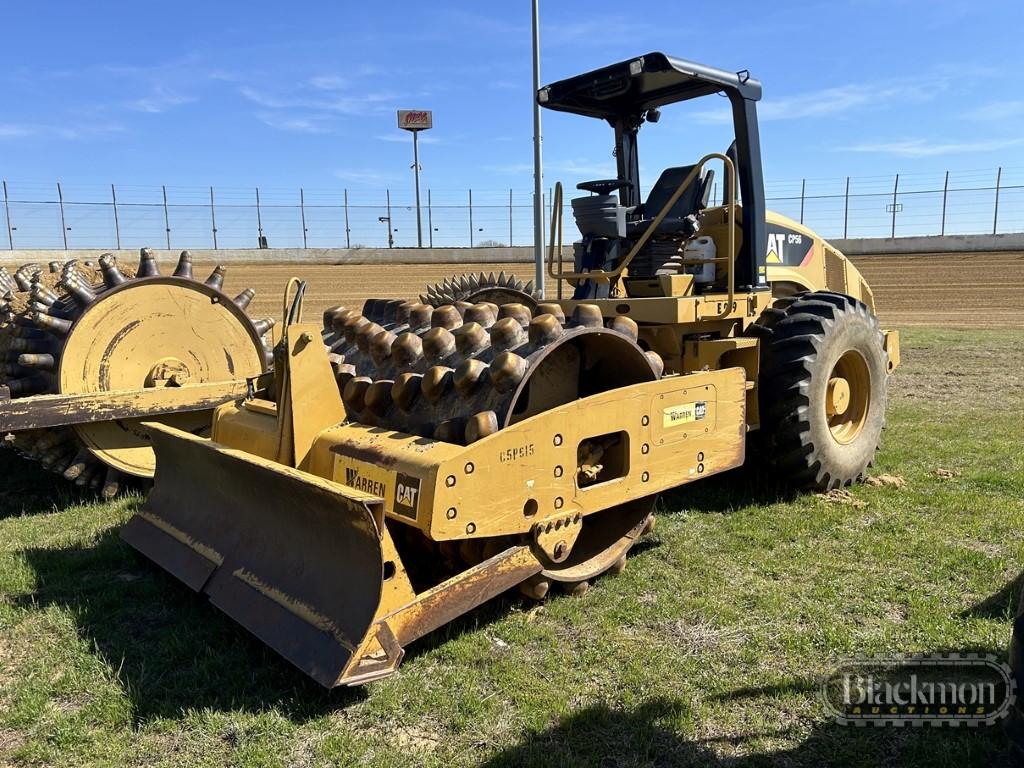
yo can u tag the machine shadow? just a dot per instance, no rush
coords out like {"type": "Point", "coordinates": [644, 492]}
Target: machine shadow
{"type": "Point", "coordinates": [650, 735]}
{"type": "Point", "coordinates": [28, 489]}
{"type": "Point", "coordinates": [174, 651]}
{"type": "Point", "coordinates": [1000, 605]}
{"type": "Point", "coordinates": [171, 649]}
{"type": "Point", "coordinates": [511, 600]}
{"type": "Point", "coordinates": [747, 485]}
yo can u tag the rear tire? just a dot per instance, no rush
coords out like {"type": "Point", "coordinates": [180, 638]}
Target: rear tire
{"type": "Point", "coordinates": [824, 375]}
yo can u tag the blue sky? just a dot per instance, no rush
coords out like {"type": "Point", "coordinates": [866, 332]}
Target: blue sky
{"type": "Point", "coordinates": [282, 95]}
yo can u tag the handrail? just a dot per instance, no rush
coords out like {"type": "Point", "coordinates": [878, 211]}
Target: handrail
{"type": "Point", "coordinates": [556, 220]}
{"type": "Point", "coordinates": [599, 274]}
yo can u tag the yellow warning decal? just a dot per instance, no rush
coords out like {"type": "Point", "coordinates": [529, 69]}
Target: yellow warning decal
{"type": "Point", "coordinates": [686, 413]}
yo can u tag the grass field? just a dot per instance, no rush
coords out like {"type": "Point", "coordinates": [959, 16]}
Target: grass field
{"type": "Point", "coordinates": [704, 651]}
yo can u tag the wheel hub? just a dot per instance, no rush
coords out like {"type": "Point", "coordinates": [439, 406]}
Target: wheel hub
{"type": "Point", "coordinates": [848, 397]}
{"type": "Point", "coordinates": [837, 399]}
{"type": "Point", "coordinates": [168, 372]}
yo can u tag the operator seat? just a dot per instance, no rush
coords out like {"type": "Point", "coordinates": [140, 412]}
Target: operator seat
{"type": "Point", "coordinates": [693, 200]}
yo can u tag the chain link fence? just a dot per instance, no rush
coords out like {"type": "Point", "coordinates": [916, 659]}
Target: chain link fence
{"type": "Point", "coordinates": [55, 216]}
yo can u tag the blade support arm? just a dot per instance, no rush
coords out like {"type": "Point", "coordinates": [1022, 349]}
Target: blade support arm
{"type": "Point", "coordinates": [45, 411]}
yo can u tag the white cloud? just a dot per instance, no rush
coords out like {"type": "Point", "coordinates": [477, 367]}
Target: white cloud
{"type": "Point", "coordinates": [931, 148]}
{"type": "Point", "coordinates": [223, 75]}
{"type": "Point", "coordinates": [834, 100]}
{"type": "Point", "coordinates": [366, 176]}
{"type": "Point", "coordinates": [159, 100]}
{"type": "Point", "coordinates": [343, 105]}
{"type": "Point", "coordinates": [482, 23]}
{"type": "Point", "coordinates": [328, 82]}
{"type": "Point", "coordinates": [67, 133]}
{"type": "Point", "coordinates": [997, 111]}
{"type": "Point", "coordinates": [11, 131]}
{"type": "Point", "coordinates": [297, 124]}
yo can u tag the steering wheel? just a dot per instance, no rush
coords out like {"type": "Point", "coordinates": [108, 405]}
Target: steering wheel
{"type": "Point", "coordinates": [603, 186]}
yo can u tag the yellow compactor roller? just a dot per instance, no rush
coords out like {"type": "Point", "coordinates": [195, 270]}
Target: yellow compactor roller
{"type": "Point", "coordinates": [91, 349]}
{"type": "Point", "coordinates": [407, 462]}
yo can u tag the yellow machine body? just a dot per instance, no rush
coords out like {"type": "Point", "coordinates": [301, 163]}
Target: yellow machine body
{"type": "Point", "coordinates": [801, 260]}
{"type": "Point", "coordinates": [306, 557]}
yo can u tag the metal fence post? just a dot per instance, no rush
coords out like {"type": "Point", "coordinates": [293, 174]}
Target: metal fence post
{"type": "Point", "coordinates": [117, 223]}
{"type": "Point", "coordinates": [63, 224]}
{"type": "Point", "coordinates": [547, 202]}
{"type": "Point", "coordinates": [895, 191]}
{"type": "Point", "coordinates": [391, 237]}
{"type": "Point", "coordinates": [302, 213]}
{"type": "Point", "coordinates": [945, 196]}
{"type": "Point", "coordinates": [213, 220]}
{"type": "Point", "coordinates": [544, 206]}
{"type": "Point", "coordinates": [167, 220]}
{"type": "Point", "coordinates": [846, 210]}
{"type": "Point", "coordinates": [348, 232]}
{"type": "Point", "coordinates": [259, 221]}
{"type": "Point", "coordinates": [995, 215]}
{"type": "Point", "coordinates": [7, 215]}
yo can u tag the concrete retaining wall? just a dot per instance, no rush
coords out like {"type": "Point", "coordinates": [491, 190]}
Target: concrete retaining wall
{"type": "Point", "coordinates": [520, 254]}
{"type": "Point", "coordinates": [875, 246]}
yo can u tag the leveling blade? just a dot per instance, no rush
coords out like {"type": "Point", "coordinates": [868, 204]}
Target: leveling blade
{"type": "Point", "coordinates": [293, 558]}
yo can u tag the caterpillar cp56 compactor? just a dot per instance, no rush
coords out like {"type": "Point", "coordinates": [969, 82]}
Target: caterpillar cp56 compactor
{"type": "Point", "coordinates": [406, 463]}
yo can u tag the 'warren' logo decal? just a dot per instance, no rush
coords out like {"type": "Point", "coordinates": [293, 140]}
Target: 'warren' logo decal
{"type": "Point", "coordinates": [365, 484]}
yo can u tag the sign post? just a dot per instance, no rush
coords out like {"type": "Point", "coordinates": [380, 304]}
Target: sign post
{"type": "Point", "coordinates": [414, 121]}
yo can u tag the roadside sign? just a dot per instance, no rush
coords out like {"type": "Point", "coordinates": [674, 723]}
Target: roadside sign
{"type": "Point", "coordinates": [415, 119]}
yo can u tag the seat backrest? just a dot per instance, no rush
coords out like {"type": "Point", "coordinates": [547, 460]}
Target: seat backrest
{"type": "Point", "coordinates": [705, 188]}
{"type": "Point", "coordinates": [665, 187]}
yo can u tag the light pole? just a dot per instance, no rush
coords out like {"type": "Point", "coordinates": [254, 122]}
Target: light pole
{"type": "Point", "coordinates": [538, 175]}
{"type": "Point", "coordinates": [416, 120]}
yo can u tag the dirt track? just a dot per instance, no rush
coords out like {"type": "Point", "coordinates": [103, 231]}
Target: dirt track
{"type": "Point", "coordinates": [971, 290]}
{"type": "Point", "coordinates": [977, 290]}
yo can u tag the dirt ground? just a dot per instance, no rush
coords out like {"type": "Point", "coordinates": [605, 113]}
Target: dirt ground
{"type": "Point", "coordinates": [962, 290]}
{"type": "Point", "coordinates": [976, 290]}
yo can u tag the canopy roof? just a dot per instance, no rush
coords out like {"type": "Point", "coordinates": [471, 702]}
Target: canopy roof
{"type": "Point", "coordinates": [634, 86]}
